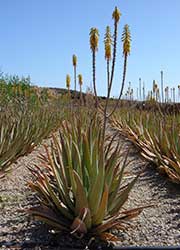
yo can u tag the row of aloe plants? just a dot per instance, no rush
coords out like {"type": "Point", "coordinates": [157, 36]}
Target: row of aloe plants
{"type": "Point", "coordinates": [24, 120]}
{"type": "Point", "coordinates": [156, 135]}
{"type": "Point", "coordinates": [22, 132]}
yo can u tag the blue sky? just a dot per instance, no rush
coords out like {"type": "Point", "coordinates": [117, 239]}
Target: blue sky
{"type": "Point", "coordinates": [39, 37]}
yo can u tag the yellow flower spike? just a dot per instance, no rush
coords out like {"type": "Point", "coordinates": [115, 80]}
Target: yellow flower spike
{"type": "Point", "coordinates": [116, 15]}
{"type": "Point", "coordinates": [108, 43]}
{"type": "Point", "coordinates": [126, 39]}
{"type": "Point", "coordinates": [80, 79]}
{"type": "Point", "coordinates": [74, 60]}
{"type": "Point", "coordinates": [94, 39]}
{"type": "Point", "coordinates": [68, 81]}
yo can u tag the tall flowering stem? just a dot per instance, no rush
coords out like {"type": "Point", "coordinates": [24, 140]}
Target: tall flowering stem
{"type": "Point", "coordinates": [94, 39]}
{"type": "Point", "coordinates": [74, 61]}
{"type": "Point", "coordinates": [80, 80]}
{"type": "Point", "coordinates": [126, 39]}
{"type": "Point", "coordinates": [68, 82]}
{"type": "Point", "coordinates": [116, 16]}
{"type": "Point", "coordinates": [107, 47]}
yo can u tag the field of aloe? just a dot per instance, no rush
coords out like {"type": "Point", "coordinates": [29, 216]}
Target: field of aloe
{"type": "Point", "coordinates": [83, 179]}
{"type": "Point", "coordinates": [27, 117]}
{"type": "Point", "coordinates": [156, 134]}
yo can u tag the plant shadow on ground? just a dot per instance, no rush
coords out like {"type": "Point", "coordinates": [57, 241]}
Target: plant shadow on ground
{"type": "Point", "coordinates": [35, 235]}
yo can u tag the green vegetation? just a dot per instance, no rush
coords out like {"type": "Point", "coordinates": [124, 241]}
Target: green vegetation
{"type": "Point", "coordinates": [27, 116]}
{"type": "Point", "coordinates": [157, 136]}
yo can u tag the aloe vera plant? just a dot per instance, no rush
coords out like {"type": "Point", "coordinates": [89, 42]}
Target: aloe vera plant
{"type": "Point", "coordinates": [80, 182]}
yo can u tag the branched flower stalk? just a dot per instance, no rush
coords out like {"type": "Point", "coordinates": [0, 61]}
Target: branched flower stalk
{"type": "Point", "coordinates": [116, 16]}
{"type": "Point", "coordinates": [126, 39]}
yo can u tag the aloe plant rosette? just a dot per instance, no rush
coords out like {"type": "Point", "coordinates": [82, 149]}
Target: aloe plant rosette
{"type": "Point", "coordinates": [79, 182]}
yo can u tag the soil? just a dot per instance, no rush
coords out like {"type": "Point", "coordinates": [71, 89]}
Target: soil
{"type": "Point", "coordinates": [158, 225]}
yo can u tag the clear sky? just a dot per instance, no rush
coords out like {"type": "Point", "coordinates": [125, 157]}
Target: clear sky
{"type": "Point", "coordinates": [39, 37]}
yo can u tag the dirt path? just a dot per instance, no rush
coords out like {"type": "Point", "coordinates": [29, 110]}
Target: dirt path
{"type": "Point", "coordinates": [156, 226]}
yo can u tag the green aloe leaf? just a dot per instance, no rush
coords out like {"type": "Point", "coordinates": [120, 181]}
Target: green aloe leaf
{"type": "Point", "coordinates": [96, 190]}
{"type": "Point", "coordinates": [80, 195]}
{"type": "Point", "coordinates": [121, 198]}
{"type": "Point", "coordinates": [102, 210]}
{"type": "Point", "coordinates": [81, 200]}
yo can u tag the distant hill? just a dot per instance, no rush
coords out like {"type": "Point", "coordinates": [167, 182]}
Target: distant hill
{"type": "Point", "coordinates": [73, 92]}
{"type": "Point", "coordinates": [64, 91]}
{"type": "Point", "coordinates": [142, 105]}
